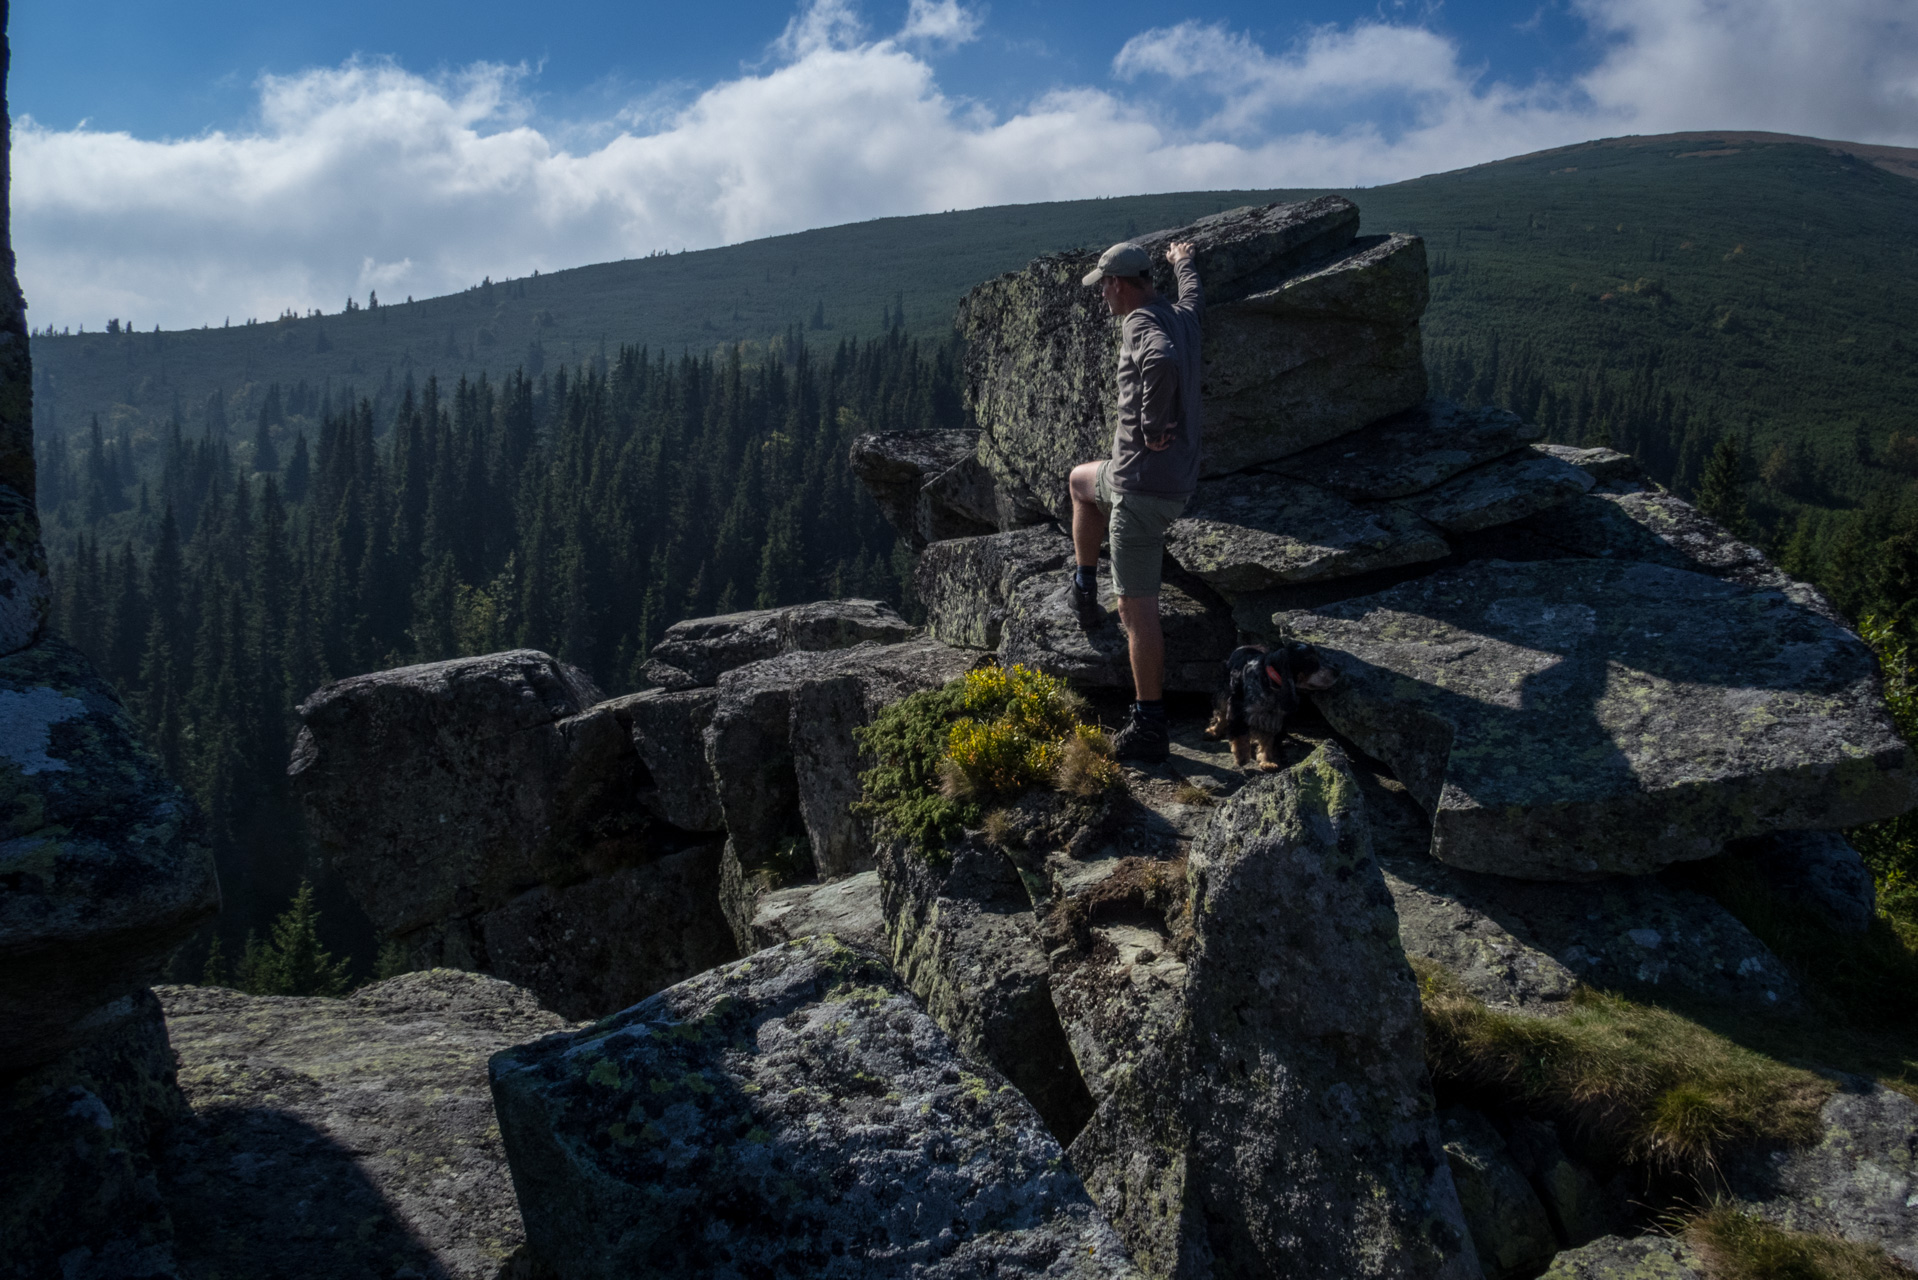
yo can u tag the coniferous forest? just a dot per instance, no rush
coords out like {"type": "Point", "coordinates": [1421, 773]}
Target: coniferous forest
{"type": "Point", "coordinates": [581, 512]}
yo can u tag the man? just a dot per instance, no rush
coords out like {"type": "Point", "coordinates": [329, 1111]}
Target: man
{"type": "Point", "coordinates": [1154, 468]}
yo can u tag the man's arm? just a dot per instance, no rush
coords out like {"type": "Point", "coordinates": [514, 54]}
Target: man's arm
{"type": "Point", "coordinates": [1186, 272]}
{"type": "Point", "coordinates": [1158, 384]}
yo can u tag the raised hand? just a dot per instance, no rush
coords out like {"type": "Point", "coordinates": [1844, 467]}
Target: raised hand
{"type": "Point", "coordinates": [1178, 251]}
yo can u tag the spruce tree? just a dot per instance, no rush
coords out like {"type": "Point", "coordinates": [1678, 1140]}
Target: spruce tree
{"type": "Point", "coordinates": [1721, 492]}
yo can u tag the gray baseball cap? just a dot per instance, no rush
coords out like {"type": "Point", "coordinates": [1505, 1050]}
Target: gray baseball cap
{"type": "Point", "coordinates": [1120, 260]}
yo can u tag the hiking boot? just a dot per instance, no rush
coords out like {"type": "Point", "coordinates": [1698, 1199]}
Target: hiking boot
{"type": "Point", "coordinates": [1147, 739]}
{"type": "Point", "coordinates": [1083, 605]}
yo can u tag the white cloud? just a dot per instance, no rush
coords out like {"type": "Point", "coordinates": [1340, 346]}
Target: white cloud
{"type": "Point", "coordinates": [944, 22]}
{"type": "Point", "coordinates": [368, 176]}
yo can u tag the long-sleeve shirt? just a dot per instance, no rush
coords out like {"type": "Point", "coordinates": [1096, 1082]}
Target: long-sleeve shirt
{"type": "Point", "coordinates": [1159, 393]}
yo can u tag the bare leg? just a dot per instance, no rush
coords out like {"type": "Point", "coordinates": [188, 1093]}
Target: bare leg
{"type": "Point", "coordinates": [1088, 521]}
{"type": "Point", "coordinates": [1140, 617]}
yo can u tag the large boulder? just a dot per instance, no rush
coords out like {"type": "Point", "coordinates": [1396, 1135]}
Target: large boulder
{"type": "Point", "coordinates": [1043, 633]}
{"type": "Point", "coordinates": [676, 786]}
{"type": "Point", "coordinates": [435, 790]}
{"type": "Point", "coordinates": [1525, 946]}
{"type": "Point", "coordinates": [785, 766]}
{"type": "Point", "coordinates": [345, 1137]}
{"type": "Point", "coordinates": [1285, 1127]}
{"type": "Point", "coordinates": [489, 813]}
{"type": "Point", "coordinates": [1856, 1182]}
{"type": "Point", "coordinates": [106, 870]}
{"type": "Point", "coordinates": [964, 940]}
{"type": "Point", "coordinates": [1818, 872]}
{"type": "Point", "coordinates": [849, 910]}
{"type": "Point", "coordinates": [696, 652]}
{"type": "Point", "coordinates": [929, 485]}
{"type": "Point", "coordinates": [1249, 532]}
{"type": "Point", "coordinates": [1309, 333]}
{"type": "Point", "coordinates": [1569, 719]}
{"type": "Point", "coordinates": [966, 584]}
{"type": "Point", "coordinates": [793, 1113]}
{"type": "Point", "coordinates": [1633, 1258]}
{"type": "Point", "coordinates": [1409, 452]}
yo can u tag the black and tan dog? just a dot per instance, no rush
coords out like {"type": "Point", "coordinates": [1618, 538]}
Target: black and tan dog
{"type": "Point", "coordinates": [1261, 689]}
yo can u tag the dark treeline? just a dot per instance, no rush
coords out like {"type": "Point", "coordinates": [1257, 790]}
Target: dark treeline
{"type": "Point", "coordinates": [580, 513]}
{"type": "Point", "coordinates": [1837, 508]}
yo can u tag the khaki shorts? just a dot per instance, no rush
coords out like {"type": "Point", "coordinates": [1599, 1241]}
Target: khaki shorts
{"type": "Point", "coordinates": [1137, 523]}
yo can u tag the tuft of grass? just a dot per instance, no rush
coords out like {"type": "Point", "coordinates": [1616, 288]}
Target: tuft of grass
{"type": "Point", "coordinates": [1193, 793]}
{"type": "Point", "coordinates": [1646, 1085]}
{"type": "Point", "coordinates": [1086, 767]}
{"type": "Point", "coordinates": [1737, 1245]}
{"type": "Point", "coordinates": [942, 755]}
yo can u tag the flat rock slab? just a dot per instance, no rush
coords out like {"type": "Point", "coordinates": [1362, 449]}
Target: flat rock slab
{"type": "Point", "coordinates": [1622, 1258]}
{"type": "Point", "coordinates": [1251, 532]}
{"type": "Point", "coordinates": [1308, 335]}
{"type": "Point", "coordinates": [1409, 452]}
{"type": "Point", "coordinates": [1044, 634]}
{"type": "Point", "coordinates": [695, 652]}
{"type": "Point", "coordinates": [1285, 1127]}
{"type": "Point", "coordinates": [1515, 486]}
{"type": "Point", "coordinates": [849, 910]}
{"type": "Point", "coordinates": [1607, 466]}
{"type": "Point", "coordinates": [966, 584]}
{"type": "Point", "coordinates": [929, 484]}
{"type": "Point", "coordinates": [351, 1137]}
{"type": "Point", "coordinates": [1569, 719]}
{"type": "Point", "coordinates": [1857, 1182]}
{"type": "Point", "coordinates": [103, 861]}
{"type": "Point", "coordinates": [792, 1113]}
{"type": "Point", "coordinates": [1525, 945]}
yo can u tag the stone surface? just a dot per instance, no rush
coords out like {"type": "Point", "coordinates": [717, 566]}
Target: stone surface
{"type": "Point", "coordinates": [1511, 488]}
{"type": "Point", "coordinates": [1308, 335]}
{"type": "Point", "coordinates": [792, 1113]}
{"type": "Point", "coordinates": [1508, 1224]}
{"type": "Point", "coordinates": [1524, 946]}
{"type": "Point", "coordinates": [442, 789]}
{"type": "Point", "coordinates": [849, 910]}
{"type": "Point", "coordinates": [345, 1138]}
{"type": "Point", "coordinates": [1249, 532]}
{"type": "Point", "coordinates": [1858, 1182]}
{"type": "Point", "coordinates": [966, 584]}
{"type": "Point", "coordinates": [79, 1197]}
{"type": "Point", "coordinates": [1606, 466]}
{"type": "Point", "coordinates": [103, 869]}
{"type": "Point", "coordinates": [929, 485]}
{"type": "Point", "coordinates": [677, 786]}
{"type": "Point", "coordinates": [1567, 719]}
{"type": "Point", "coordinates": [1044, 634]}
{"type": "Point", "coordinates": [694, 653]}
{"type": "Point", "coordinates": [785, 767]}
{"type": "Point", "coordinates": [1820, 872]}
{"type": "Point", "coordinates": [964, 940]}
{"type": "Point", "coordinates": [1580, 1210]}
{"type": "Point", "coordinates": [1636, 1258]}
{"type": "Point", "coordinates": [1286, 1127]}
{"type": "Point", "coordinates": [26, 590]}
{"type": "Point", "coordinates": [595, 946]}
{"type": "Point", "coordinates": [1409, 452]}
{"type": "Point", "coordinates": [1653, 526]}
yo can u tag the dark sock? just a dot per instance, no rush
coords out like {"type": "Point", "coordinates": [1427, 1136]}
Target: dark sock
{"type": "Point", "coordinates": [1085, 577]}
{"type": "Point", "coordinates": [1154, 710]}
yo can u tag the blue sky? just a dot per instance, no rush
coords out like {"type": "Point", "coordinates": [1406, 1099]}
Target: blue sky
{"type": "Point", "coordinates": [181, 164]}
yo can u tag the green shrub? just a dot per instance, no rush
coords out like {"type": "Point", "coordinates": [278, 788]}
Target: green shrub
{"type": "Point", "coordinates": [1890, 848]}
{"type": "Point", "coordinates": [942, 755]}
{"type": "Point", "coordinates": [1646, 1085]}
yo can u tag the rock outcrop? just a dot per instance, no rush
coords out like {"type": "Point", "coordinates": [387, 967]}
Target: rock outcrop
{"type": "Point", "coordinates": [966, 584]}
{"type": "Point", "coordinates": [345, 1137]}
{"type": "Point", "coordinates": [1510, 1230]}
{"type": "Point", "coordinates": [1286, 1126]}
{"type": "Point", "coordinates": [695, 653]}
{"type": "Point", "coordinates": [1569, 719]}
{"type": "Point", "coordinates": [103, 873]}
{"type": "Point", "coordinates": [1819, 872]}
{"type": "Point", "coordinates": [1636, 1258]}
{"type": "Point", "coordinates": [1310, 333]}
{"type": "Point", "coordinates": [485, 813]}
{"type": "Point", "coordinates": [930, 484]}
{"type": "Point", "coordinates": [1044, 634]}
{"type": "Point", "coordinates": [791, 1112]}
